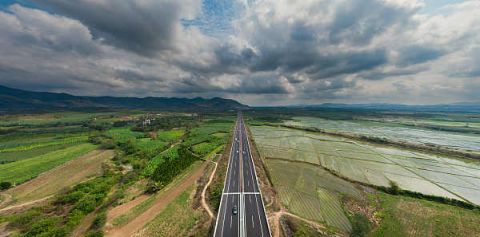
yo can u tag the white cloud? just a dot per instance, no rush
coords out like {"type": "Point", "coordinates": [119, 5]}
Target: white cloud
{"type": "Point", "coordinates": [279, 50]}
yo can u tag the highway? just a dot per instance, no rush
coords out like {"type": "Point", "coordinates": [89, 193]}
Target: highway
{"type": "Point", "coordinates": [241, 190]}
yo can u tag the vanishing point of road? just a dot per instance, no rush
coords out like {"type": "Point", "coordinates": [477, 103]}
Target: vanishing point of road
{"type": "Point", "coordinates": [241, 192]}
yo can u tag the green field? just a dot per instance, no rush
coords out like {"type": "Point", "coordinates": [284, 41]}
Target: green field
{"type": "Point", "coordinates": [123, 134]}
{"type": "Point", "coordinates": [23, 170]}
{"type": "Point", "coordinates": [7, 157]}
{"type": "Point", "coordinates": [405, 216]}
{"type": "Point", "coordinates": [170, 135]}
{"type": "Point", "coordinates": [372, 164]}
{"type": "Point", "coordinates": [171, 153]}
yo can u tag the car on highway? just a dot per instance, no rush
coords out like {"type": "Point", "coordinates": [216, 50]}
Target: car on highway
{"type": "Point", "coordinates": [235, 210]}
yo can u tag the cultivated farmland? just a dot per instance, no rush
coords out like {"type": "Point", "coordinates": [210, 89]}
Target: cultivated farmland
{"type": "Point", "coordinates": [23, 170]}
{"type": "Point", "coordinates": [468, 142]}
{"type": "Point", "coordinates": [64, 176]}
{"type": "Point", "coordinates": [372, 164]}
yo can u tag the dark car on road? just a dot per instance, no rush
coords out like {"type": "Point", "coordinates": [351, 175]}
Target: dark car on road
{"type": "Point", "coordinates": [235, 210]}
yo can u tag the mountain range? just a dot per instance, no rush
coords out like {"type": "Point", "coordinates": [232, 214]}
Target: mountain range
{"type": "Point", "coordinates": [21, 100]}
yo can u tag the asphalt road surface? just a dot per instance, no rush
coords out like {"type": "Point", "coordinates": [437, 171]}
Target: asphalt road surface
{"type": "Point", "coordinates": [241, 191]}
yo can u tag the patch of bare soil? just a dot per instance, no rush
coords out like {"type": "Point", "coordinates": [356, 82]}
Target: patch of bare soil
{"type": "Point", "coordinates": [22, 207]}
{"type": "Point", "coordinates": [362, 207]}
{"type": "Point", "coordinates": [3, 230]}
{"type": "Point", "coordinates": [124, 208]}
{"type": "Point", "coordinates": [5, 199]}
{"type": "Point", "coordinates": [276, 225]}
{"type": "Point", "coordinates": [161, 203]}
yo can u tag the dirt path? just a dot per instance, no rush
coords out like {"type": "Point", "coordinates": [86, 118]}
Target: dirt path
{"type": "Point", "coordinates": [124, 208]}
{"type": "Point", "coordinates": [3, 230]}
{"type": "Point", "coordinates": [204, 202]}
{"type": "Point", "coordinates": [161, 203]}
{"type": "Point", "coordinates": [84, 225]}
{"type": "Point", "coordinates": [275, 217]}
{"type": "Point", "coordinates": [15, 208]}
{"type": "Point", "coordinates": [6, 199]}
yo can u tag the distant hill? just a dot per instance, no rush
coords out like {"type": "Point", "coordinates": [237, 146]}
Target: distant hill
{"type": "Point", "coordinates": [456, 107]}
{"type": "Point", "coordinates": [20, 100]}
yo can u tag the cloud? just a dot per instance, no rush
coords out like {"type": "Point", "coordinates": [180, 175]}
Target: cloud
{"type": "Point", "coordinates": [145, 27]}
{"type": "Point", "coordinates": [279, 51]}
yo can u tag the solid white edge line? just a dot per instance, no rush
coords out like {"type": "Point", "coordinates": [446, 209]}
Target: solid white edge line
{"type": "Point", "coordinates": [256, 177]}
{"type": "Point", "coordinates": [258, 213]}
{"type": "Point", "coordinates": [225, 182]}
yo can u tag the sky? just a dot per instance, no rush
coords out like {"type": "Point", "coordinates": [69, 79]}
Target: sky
{"type": "Point", "coordinates": [259, 52]}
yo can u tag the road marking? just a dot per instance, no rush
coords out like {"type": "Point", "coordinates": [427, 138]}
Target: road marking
{"type": "Point", "coordinates": [258, 212]}
{"type": "Point", "coordinates": [226, 184]}
{"type": "Point", "coordinates": [237, 193]}
{"type": "Point", "coordinates": [253, 222]}
{"type": "Point", "coordinates": [241, 136]}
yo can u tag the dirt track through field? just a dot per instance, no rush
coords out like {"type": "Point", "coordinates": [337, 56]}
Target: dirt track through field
{"type": "Point", "coordinates": [204, 202]}
{"type": "Point", "coordinates": [161, 203]}
{"type": "Point", "coordinates": [20, 207]}
{"type": "Point", "coordinates": [63, 176]}
{"type": "Point", "coordinates": [275, 217]}
{"type": "Point", "coordinates": [124, 208]}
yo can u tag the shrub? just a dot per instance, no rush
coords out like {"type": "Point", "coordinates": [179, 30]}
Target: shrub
{"type": "Point", "coordinates": [360, 225]}
{"type": "Point", "coordinates": [394, 188]}
{"type": "Point", "coordinates": [5, 185]}
{"type": "Point", "coordinates": [99, 221]}
{"type": "Point", "coordinates": [96, 233]}
{"type": "Point", "coordinates": [86, 204]}
{"type": "Point", "coordinates": [152, 187]}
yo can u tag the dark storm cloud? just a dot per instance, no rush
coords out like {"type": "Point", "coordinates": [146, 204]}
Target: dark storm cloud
{"type": "Point", "coordinates": [144, 27]}
{"type": "Point", "coordinates": [322, 49]}
{"type": "Point", "coordinates": [228, 59]}
{"type": "Point", "coordinates": [416, 54]}
{"type": "Point", "coordinates": [251, 84]}
{"type": "Point", "coordinates": [359, 21]}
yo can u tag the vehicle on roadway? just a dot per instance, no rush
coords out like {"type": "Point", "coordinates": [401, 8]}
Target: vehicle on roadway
{"type": "Point", "coordinates": [235, 210]}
